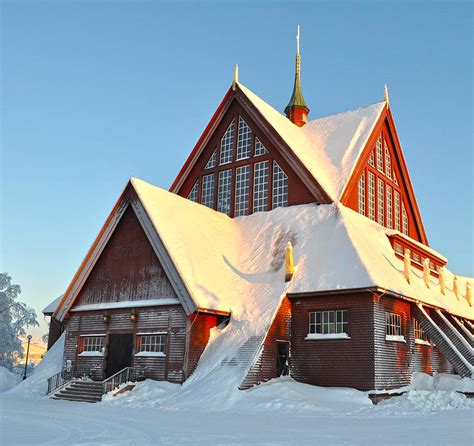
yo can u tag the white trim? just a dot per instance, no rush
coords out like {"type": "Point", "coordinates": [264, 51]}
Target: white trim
{"type": "Point", "coordinates": [87, 353]}
{"type": "Point", "coordinates": [156, 354]}
{"type": "Point", "coordinates": [128, 304]}
{"type": "Point", "coordinates": [322, 337]}
{"type": "Point", "coordinates": [396, 338]}
{"type": "Point", "coordinates": [422, 342]}
{"type": "Point", "coordinates": [92, 335]}
{"type": "Point", "coordinates": [152, 333]}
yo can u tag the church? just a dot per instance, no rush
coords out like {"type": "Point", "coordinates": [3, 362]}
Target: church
{"type": "Point", "coordinates": [285, 246]}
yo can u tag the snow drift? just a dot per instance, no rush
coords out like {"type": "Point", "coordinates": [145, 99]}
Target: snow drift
{"type": "Point", "coordinates": [52, 363]}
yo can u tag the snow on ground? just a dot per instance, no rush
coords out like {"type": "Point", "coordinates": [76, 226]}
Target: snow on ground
{"type": "Point", "coordinates": [203, 412]}
{"type": "Point", "coordinates": [280, 412]}
{"type": "Point", "coordinates": [7, 379]}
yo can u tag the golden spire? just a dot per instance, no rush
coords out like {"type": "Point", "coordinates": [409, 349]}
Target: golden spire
{"type": "Point", "coordinates": [236, 77]}
{"type": "Point", "coordinates": [297, 99]}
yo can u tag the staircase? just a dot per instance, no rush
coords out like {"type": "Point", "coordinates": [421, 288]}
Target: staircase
{"type": "Point", "coordinates": [447, 338]}
{"type": "Point", "coordinates": [63, 386]}
{"type": "Point", "coordinates": [80, 390]}
{"type": "Point", "coordinates": [245, 354]}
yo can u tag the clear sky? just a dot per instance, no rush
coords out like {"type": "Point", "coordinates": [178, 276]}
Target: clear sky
{"type": "Point", "coordinates": [95, 92]}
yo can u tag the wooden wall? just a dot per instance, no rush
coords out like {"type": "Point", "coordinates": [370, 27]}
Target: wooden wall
{"type": "Point", "coordinates": [396, 361]}
{"type": "Point", "coordinates": [351, 195]}
{"type": "Point", "coordinates": [200, 325]}
{"type": "Point", "coordinates": [127, 269]}
{"type": "Point", "coordinates": [171, 319]}
{"type": "Point", "coordinates": [334, 362]}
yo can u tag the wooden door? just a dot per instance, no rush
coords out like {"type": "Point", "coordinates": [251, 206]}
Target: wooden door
{"type": "Point", "coordinates": [119, 353]}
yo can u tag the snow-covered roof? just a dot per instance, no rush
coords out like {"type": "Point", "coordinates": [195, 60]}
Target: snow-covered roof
{"type": "Point", "coordinates": [236, 264]}
{"type": "Point", "coordinates": [328, 147]}
{"type": "Point", "coordinates": [51, 307]}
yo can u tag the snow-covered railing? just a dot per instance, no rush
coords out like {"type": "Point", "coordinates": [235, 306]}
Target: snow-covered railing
{"type": "Point", "coordinates": [125, 375]}
{"type": "Point", "coordinates": [59, 380]}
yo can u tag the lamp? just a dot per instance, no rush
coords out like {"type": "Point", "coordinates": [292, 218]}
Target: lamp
{"type": "Point", "coordinates": [27, 353]}
{"type": "Point", "coordinates": [133, 316]}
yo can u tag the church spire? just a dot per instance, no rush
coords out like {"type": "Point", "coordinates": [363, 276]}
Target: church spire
{"type": "Point", "coordinates": [297, 110]}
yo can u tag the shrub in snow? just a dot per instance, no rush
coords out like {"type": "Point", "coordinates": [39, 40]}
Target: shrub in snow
{"type": "Point", "coordinates": [14, 318]}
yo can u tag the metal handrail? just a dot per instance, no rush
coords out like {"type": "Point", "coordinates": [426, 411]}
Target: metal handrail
{"type": "Point", "coordinates": [60, 379]}
{"type": "Point", "coordinates": [121, 377]}
{"type": "Point", "coordinates": [109, 384]}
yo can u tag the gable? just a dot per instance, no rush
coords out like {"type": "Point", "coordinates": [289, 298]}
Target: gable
{"type": "Point", "coordinates": [380, 186]}
{"type": "Point", "coordinates": [249, 166]}
{"type": "Point", "coordinates": [127, 268]}
{"type": "Point", "coordinates": [145, 274]}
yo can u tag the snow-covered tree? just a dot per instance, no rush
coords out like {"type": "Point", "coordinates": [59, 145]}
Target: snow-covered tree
{"type": "Point", "coordinates": [14, 318]}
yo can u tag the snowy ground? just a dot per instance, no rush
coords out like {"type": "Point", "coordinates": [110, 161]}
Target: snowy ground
{"type": "Point", "coordinates": [281, 412]}
{"type": "Point", "coordinates": [208, 409]}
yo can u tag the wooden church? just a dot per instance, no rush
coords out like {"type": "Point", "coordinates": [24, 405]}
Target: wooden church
{"type": "Point", "coordinates": [285, 246]}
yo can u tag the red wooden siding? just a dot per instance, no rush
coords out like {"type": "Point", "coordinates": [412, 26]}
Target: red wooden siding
{"type": "Point", "coordinates": [298, 193]}
{"type": "Point", "coordinates": [265, 366]}
{"type": "Point", "coordinates": [395, 361]}
{"type": "Point", "coordinates": [200, 325]}
{"type": "Point", "coordinates": [334, 362]}
{"type": "Point", "coordinates": [167, 319]}
{"type": "Point", "coordinates": [350, 197]}
{"type": "Point", "coordinates": [127, 269]}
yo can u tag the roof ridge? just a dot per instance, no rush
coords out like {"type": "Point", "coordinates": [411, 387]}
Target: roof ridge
{"type": "Point", "coordinates": [347, 111]}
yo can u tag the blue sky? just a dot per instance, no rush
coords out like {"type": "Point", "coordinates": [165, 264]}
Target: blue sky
{"type": "Point", "coordinates": [96, 92]}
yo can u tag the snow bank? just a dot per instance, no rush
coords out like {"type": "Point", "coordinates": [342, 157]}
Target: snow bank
{"type": "Point", "coordinates": [283, 395]}
{"type": "Point", "coordinates": [425, 401]}
{"type": "Point", "coordinates": [7, 379]}
{"type": "Point", "coordinates": [441, 381]}
{"type": "Point", "coordinates": [52, 363]}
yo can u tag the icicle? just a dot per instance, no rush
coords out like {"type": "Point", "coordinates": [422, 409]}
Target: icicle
{"type": "Point", "coordinates": [407, 265]}
{"type": "Point", "coordinates": [468, 294]}
{"type": "Point", "coordinates": [289, 265]}
{"type": "Point", "coordinates": [455, 286]}
{"type": "Point", "coordinates": [442, 283]}
{"type": "Point", "coordinates": [426, 272]}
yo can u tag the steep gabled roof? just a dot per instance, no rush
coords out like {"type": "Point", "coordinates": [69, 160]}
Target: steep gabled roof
{"type": "Point", "coordinates": [328, 147]}
{"type": "Point", "coordinates": [236, 265]}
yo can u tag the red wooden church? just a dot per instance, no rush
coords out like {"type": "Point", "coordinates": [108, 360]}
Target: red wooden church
{"type": "Point", "coordinates": [284, 246]}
